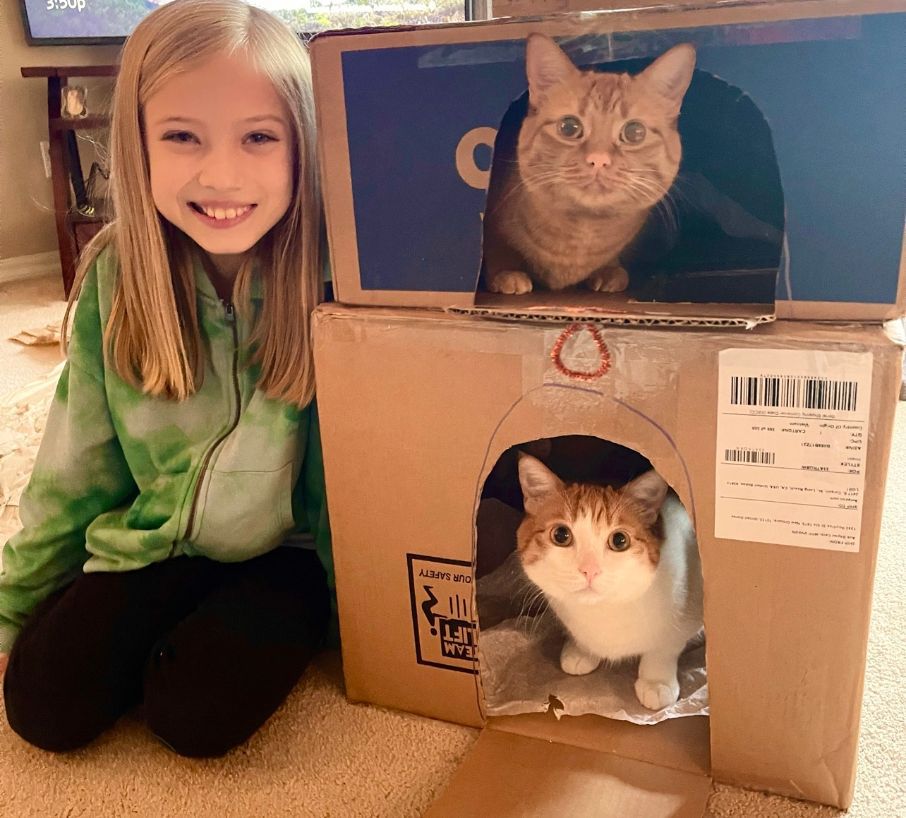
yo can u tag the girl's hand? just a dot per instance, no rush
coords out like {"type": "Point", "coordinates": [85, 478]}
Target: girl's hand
{"type": "Point", "coordinates": [4, 658]}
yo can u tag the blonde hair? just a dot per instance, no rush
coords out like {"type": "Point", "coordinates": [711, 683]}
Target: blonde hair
{"type": "Point", "coordinates": [152, 334]}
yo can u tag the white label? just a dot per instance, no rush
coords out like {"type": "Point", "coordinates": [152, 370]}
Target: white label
{"type": "Point", "coordinates": [792, 432]}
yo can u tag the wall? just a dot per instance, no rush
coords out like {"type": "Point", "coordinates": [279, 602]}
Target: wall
{"type": "Point", "coordinates": [26, 200]}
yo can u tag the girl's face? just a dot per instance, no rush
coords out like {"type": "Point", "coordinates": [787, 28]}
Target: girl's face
{"type": "Point", "coordinates": [220, 152]}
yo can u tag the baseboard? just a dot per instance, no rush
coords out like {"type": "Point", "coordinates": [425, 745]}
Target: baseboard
{"type": "Point", "coordinates": [34, 266]}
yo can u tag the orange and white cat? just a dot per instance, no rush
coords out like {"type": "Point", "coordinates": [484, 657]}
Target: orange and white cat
{"type": "Point", "coordinates": [596, 152]}
{"type": "Point", "coordinates": [621, 570]}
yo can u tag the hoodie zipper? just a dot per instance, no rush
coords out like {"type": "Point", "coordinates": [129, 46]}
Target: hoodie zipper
{"type": "Point", "coordinates": [230, 315]}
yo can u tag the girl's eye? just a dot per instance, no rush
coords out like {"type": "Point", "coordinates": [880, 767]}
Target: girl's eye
{"type": "Point", "coordinates": [618, 541]}
{"type": "Point", "coordinates": [633, 132]}
{"type": "Point", "coordinates": [570, 127]}
{"type": "Point", "coordinates": [180, 137]}
{"type": "Point", "coordinates": [260, 138]}
{"type": "Point", "coordinates": [561, 535]}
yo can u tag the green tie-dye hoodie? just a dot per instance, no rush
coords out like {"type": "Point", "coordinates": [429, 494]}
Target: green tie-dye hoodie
{"type": "Point", "coordinates": [123, 480]}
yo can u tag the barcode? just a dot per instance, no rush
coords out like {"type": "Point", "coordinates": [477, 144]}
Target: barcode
{"type": "Point", "coordinates": [758, 456]}
{"type": "Point", "coordinates": [793, 392]}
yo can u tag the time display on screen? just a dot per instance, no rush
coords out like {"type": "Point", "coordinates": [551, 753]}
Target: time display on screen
{"type": "Point", "coordinates": [66, 5]}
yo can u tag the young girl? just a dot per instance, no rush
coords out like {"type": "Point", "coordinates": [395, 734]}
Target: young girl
{"type": "Point", "coordinates": [175, 548]}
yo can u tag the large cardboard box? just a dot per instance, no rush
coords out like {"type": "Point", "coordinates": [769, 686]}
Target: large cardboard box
{"type": "Point", "coordinates": [419, 406]}
{"type": "Point", "coordinates": [791, 183]}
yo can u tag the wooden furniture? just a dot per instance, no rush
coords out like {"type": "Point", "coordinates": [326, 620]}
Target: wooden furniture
{"type": "Point", "coordinates": [74, 228]}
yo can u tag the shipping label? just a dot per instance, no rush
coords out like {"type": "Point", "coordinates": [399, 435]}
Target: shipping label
{"type": "Point", "coordinates": [792, 435]}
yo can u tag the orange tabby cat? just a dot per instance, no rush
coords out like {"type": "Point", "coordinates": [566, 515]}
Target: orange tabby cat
{"type": "Point", "coordinates": [620, 569]}
{"type": "Point", "coordinates": [596, 152]}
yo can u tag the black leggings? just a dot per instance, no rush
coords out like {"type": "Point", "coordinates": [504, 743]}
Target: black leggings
{"type": "Point", "coordinates": [212, 649]}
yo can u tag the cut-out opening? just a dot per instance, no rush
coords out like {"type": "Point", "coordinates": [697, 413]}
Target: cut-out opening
{"type": "Point", "coordinates": [715, 237]}
{"type": "Point", "coordinates": [521, 635]}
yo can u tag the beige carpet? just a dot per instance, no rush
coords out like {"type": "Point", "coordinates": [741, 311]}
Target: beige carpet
{"type": "Point", "coordinates": [322, 756]}
{"type": "Point", "coordinates": [27, 304]}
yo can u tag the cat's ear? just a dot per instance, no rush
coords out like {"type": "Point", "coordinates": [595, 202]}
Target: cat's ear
{"type": "Point", "coordinates": [537, 481]}
{"type": "Point", "coordinates": [648, 491]}
{"type": "Point", "coordinates": [670, 74]}
{"type": "Point", "coordinates": [546, 65]}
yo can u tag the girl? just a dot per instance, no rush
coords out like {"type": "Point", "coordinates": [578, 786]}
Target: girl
{"type": "Point", "coordinates": [182, 447]}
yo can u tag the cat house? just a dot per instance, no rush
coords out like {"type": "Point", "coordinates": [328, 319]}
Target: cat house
{"type": "Point", "coordinates": [787, 199]}
{"type": "Point", "coordinates": [524, 637]}
{"type": "Point", "coordinates": [775, 440]}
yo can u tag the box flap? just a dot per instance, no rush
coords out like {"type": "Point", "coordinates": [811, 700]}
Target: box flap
{"type": "Point", "coordinates": [615, 309]}
{"type": "Point", "coordinates": [508, 775]}
{"type": "Point", "coordinates": [682, 744]}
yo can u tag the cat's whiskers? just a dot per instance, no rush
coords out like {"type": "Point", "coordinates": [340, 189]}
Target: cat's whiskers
{"type": "Point", "coordinates": [549, 178]}
{"type": "Point", "coordinates": [533, 609]}
{"type": "Point", "coordinates": [557, 175]}
{"type": "Point", "coordinates": [646, 193]}
{"type": "Point", "coordinates": [641, 178]}
{"type": "Point", "coordinates": [677, 193]}
{"type": "Point", "coordinates": [666, 208]}
{"type": "Point", "coordinates": [533, 595]}
{"type": "Point", "coordinates": [539, 618]}
{"type": "Point", "coordinates": [642, 189]}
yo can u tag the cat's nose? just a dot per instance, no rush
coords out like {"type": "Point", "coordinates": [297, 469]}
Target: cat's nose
{"type": "Point", "coordinates": [590, 572]}
{"type": "Point", "coordinates": [599, 160]}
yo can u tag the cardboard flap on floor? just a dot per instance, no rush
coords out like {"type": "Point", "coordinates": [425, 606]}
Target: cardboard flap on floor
{"type": "Point", "coordinates": [507, 775]}
{"type": "Point", "coordinates": [680, 744]}
{"type": "Point", "coordinates": [771, 207]}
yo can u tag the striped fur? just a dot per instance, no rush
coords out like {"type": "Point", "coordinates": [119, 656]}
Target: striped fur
{"type": "Point", "coordinates": [565, 209]}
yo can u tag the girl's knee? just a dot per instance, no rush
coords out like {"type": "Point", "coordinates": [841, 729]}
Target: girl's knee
{"type": "Point", "coordinates": [198, 733]}
{"type": "Point", "coordinates": [181, 711]}
{"type": "Point", "coordinates": [191, 743]}
{"type": "Point", "coordinates": [203, 706]}
{"type": "Point", "coordinates": [58, 703]}
{"type": "Point", "coordinates": [47, 719]}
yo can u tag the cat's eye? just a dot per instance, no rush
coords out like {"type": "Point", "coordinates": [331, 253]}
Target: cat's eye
{"type": "Point", "coordinates": [570, 127]}
{"type": "Point", "coordinates": [633, 132]}
{"type": "Point", "coordinates": [618, 541]}
{"type": "Point", "coordinates": [561, 535]}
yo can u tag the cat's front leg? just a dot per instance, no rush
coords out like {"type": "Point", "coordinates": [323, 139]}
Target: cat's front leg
{"type": "Point", "coordinates": [608, 280]}
{"type": "Point", "coordinates": [504, 266]}
{"type": "Point", "coordinates": [657, 686]}
{"type": "Point", "coordinates": [511, 282]}
{"type": "Point", "coordinates": [576, 661]}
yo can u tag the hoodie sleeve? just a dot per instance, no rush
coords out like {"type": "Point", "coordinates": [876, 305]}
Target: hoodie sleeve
{"type": "Point", "coordinates": [79, 473]}
{"type": "Point", "coordinates": [314, 494]}
{"type": "Point", "coordinates": [310, 511]}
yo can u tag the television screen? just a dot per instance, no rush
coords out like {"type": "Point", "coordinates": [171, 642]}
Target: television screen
{"type": "Point", "coordinates": [61, 22]}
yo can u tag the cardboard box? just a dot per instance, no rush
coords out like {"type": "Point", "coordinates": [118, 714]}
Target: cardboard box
{"type": "Point", "coordinates": [791, 183]}
{"type": "Point", "coordinates": [419, 406]}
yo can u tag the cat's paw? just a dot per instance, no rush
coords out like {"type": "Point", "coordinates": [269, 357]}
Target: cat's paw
{"type": "Point", "coordinates": [510, 282]}
{"type": "Point", "coordinates": [609, 280]}
{"type": "Point", "coordinates": [656, 694]}
{"type": "Point", "coordinates": [575, 661]}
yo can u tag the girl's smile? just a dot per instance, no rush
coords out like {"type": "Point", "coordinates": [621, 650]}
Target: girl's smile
{"type": "Point", "coordinates": [223, 215]}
